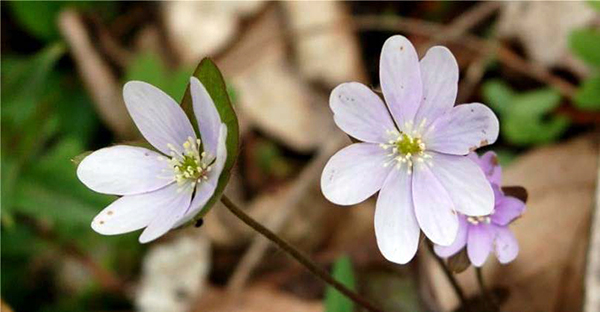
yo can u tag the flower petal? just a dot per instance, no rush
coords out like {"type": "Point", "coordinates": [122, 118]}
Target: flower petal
{"type": "Point", "coordinates": [466, 184]}
{"type": "Point", "coordinates": [439, 72]}
{"type": "Point", "coordinates": [459, 242]}
{"type": "Point", "coordinates": [506, 245]}
{"type": "Point", "coordinates": [400, 78]}
{"type": "Point", "coordinates": [479, 243]}
{"type": "Point", "coordinates": [433, 207]}
{"type": "Point", "coordinates": [464, 128]}
{"type": "Point", "coordinates": [174, 201]}
{"type": "Point", "coordinates": [490, 166]}
{"type": "Point", "coordinates": [209, 120]}
{"type": "Point", "coordinates": [158, 117]}
{"type": "Point", "coordinates": [396, 226]}
{"type": "Point", "coordinates": [124, 170]}
{"type": "Point", "coordinates": [205, 189]}
{"type": "Point", "coordinates": [355, 173]}
{"type": "Point", "coordinates": [133, 212]}
{"type": "Point", "coordinates": [507, 208]}
{"type": "Point", "coordinates": [359, 112]}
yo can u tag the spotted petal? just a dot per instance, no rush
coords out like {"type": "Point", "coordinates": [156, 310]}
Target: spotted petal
{"type": "Point", "coordinates": [133, 212]}
{"type": "Point", "coordinates": [400, 78]}
{"type": "Point", "coordinates": [396, 226]}
{"type": "Point", "coordinates": [209, 120]}
{"type": "Point", "coordinates": [158, 117]}
{"type": "Point", "coordinates": [124, 170]}
{"type": "Point", "coordinates": [506, 245]}
{"type": "Point", "coordinates": [433, 207]}
{"type": "Point", "coordinates": [464, 128]}
{"type": "Point", "coordinates": [465, 182]}
{"type": "Point", "coordinates": [439, 72]}
{"type": "Point", "coordinates": [360, 112]}
{"type": "Point", "coordinates": [354, 173]}
{"type": "Point", "coordinates": [490, 166]}
{"type": "Point", "coordinates": [173, 202]}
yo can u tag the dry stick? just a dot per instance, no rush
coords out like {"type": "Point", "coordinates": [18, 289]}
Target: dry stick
{"type": "Point", "coordinates": [489, 297]}
{"type": "Point", "coordinates": [96, 74]}
{"type": "Point", "coordinates": [459, 292]}
{"type": "Point", "coordinates": [258, 247]}
{"type": "Point", "coordinates": [463, 23]}
{"type": "Point", "coordinates": [505, 55]}
{"type": "Point", "coordinates": [298, 256]}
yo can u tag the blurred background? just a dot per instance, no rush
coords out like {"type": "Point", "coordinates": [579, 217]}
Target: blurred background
{"type": "Point", "coordinates": [536, 64]}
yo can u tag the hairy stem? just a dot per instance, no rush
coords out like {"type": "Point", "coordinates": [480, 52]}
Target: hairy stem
{"type": "Point", "coordinates": [459, 292]}
{"type": "Point", "coordinates": [487, 295]}
{"type": "Point", "coordinates": [298, 256]}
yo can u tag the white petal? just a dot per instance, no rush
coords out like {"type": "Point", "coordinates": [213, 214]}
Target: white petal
{"type": "Point", "coordinates": [355, 173]}
{"type": "Point", "coordinates": [173, 204]}
{"type": "Point", "coordinates": [505, 245]}
{"type": "Point", "coordinates": [133, 212]}
{"type": "Point", "coordinates": [396, 226]}
{"type": "Point", "coordinates": [206, 189]}
{"type": "Point", "coordinates": [459, 242]}
{"type": "Point", "coordinates": [124, 170]}
{"type": "Point", "coordinates": [433, 207]}
{"type": "Point", "coordinates": [158, 117]}
{"type": "Point", "coordinates": [439, 72]}
{"type": "Point", "coordinates": [359, 112]}
{"type": "Point", "coordinates": [400, 78]}
{"type": "Point", "coordinates": [209, 120]}
{"type": "Point", "coordinates": [464, 128]}
{"type": "Point", "coordinates": [465, 182]}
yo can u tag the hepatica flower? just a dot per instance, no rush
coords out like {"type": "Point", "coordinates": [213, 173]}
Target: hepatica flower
{"type": "Point", "coordinates": [412, 150]}
{"type": "Point", "coordinates": [164, 189]}
{"type": "Point", "coordinates": [484, 234]}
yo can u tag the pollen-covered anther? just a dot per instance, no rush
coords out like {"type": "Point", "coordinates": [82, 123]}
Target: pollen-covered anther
{"type": "Point", "coordinates": [189, 165]}
{"type": "Point", "coordinates": [479, 219]}
{"type": "Point", "coordinates": [406, 147]}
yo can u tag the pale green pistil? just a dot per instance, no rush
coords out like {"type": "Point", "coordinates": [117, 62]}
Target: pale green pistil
{"type": "Point", "coordinates": [407, 145]}
{"type": "Point", "coordinates": [190, 165]}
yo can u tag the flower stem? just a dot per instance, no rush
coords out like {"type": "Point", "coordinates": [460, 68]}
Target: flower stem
{"type": "Point", "coordinates": [298, 256]}
{"type": "Point", "coordinates": [489, 297]}
{"type": "Point", "coordinates": [459, 292]}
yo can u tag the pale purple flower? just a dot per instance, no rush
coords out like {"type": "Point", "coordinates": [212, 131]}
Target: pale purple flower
{"type": "Point", "coordinates": [484, 234]}
{"type": "Point", "coordinates": [413, 150]}
{"type": "Point", "coordinates": [160, 190]}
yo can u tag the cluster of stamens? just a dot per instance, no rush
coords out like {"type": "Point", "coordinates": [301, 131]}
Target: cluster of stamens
{"type": "Point", "coordinates": [189, 165]}
{"type": "Point", "coordinates": [406, 147]}
{"type": "Point", "coordinates": [479, 219]}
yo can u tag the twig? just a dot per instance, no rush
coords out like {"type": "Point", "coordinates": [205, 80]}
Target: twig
{"type": "Point", "coordinates": [101, 83]}
{"type": "Point", "coordinates": [489, 297]}
{"type": "Point", "coordinates": [298, 256]}
{"type": "Point", "coordinates": [459, 292]}
{"type": "Point", "coordinates": [275, 223]}
{"type": "Point", "coordinates": [505, 55]}
{"type": "Point", "coordinates": [463, 23]}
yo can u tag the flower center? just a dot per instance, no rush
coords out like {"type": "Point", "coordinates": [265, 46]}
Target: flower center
{"type": "Point", "coordinates": [190, 165]}
{"type": "Point", "coordinates": [479, 219]}
{"type": "Point", "coordinates": [406, 148]}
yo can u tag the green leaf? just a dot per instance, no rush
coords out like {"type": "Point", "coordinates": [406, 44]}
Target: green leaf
{"type": "Point", "coordinates": [37, 17]}
{"type": "Point", "coordinates": [587, 96]}
{"type": "Point", "coordinates": [586, 45]}
{"type": "Point", "coordinates": [344, 273]}
{"type": "Point", "coordinates": [24, 82]}
{"type": "Point", "coordinates": [595, 4]}
{"type": "Point", "coordinates": [535, 103]}
{"type": "Point", "coordinates": [208, 73]}
{"type": "Point", "coordinates": [498, 95]}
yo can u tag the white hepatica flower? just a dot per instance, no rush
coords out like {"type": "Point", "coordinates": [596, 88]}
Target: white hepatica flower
{"type": "Point", "coordinates": [160, 191]}
{"type": "Point", "coordinates": [412, 151]}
